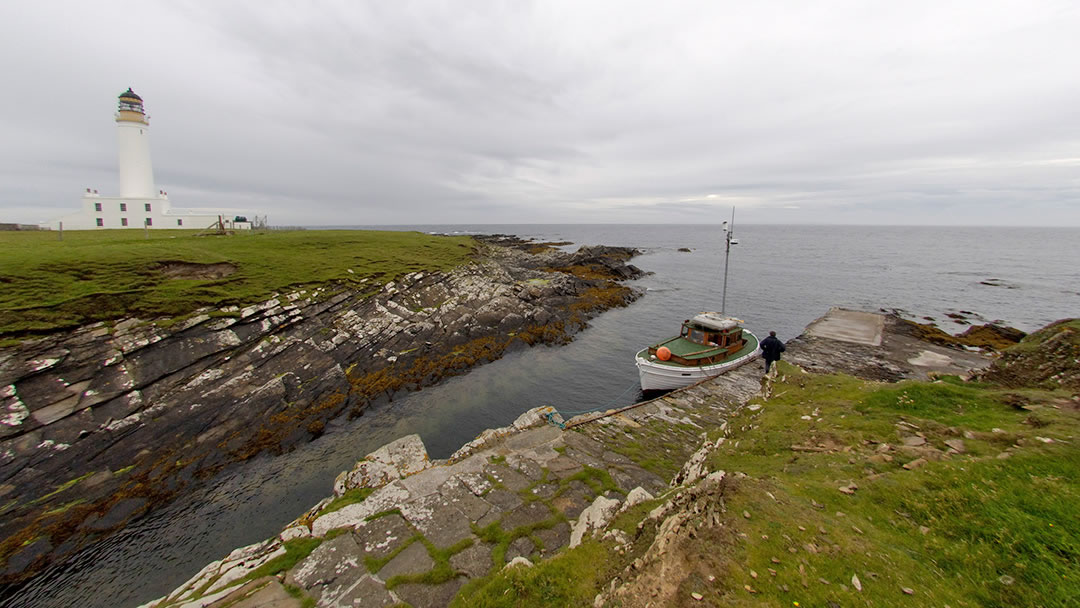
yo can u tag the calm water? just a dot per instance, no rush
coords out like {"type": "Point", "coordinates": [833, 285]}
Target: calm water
{"type": "Point", "coordinates": [781, 278]}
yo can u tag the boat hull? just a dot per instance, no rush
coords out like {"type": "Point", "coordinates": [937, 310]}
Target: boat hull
{"type": "Point", "coordinates": [657, 376]}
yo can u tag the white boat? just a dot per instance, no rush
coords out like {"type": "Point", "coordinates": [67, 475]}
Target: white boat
{"type": "Point", "coordinates": [708, 345]}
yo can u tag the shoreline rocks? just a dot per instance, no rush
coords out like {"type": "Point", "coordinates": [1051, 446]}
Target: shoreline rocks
{"type": "Point", "coordinates": [100, 424]}
{"type": "Point", "coordinates": [540, 480]}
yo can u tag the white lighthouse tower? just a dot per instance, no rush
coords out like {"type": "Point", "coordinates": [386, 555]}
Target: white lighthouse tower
{"type": "Point", "coordinates": [133, 148]}
{"type": "Point", "coordinates": [140, 204]}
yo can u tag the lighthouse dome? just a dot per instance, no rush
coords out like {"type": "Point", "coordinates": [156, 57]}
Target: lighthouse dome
{"type": "Point", "coordinates": [129, 94]}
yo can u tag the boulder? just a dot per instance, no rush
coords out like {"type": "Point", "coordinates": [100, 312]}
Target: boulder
{"type": "Point", "coordinates": [594, 518]}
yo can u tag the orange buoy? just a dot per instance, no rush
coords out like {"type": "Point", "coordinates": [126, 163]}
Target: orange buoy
{"type": "Point", "coordinates": [663, 353]}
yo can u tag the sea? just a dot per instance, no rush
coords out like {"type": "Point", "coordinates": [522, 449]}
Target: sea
{"type": "Point", "coordinates": [780, 278]}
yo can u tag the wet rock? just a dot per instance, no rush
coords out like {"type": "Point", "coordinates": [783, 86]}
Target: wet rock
{"type": "Point", "coordinates": [120, 513]}
{"type": "Point", "coordinates": [27, 555]}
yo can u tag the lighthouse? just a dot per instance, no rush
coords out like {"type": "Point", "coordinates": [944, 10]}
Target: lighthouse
{"type": "Point", "coordinates": [133, 148]}
{"type": "Point", "coordinates": [140, 204]}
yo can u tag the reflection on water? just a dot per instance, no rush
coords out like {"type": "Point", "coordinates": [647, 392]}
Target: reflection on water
{"type": "Point", "coordinates": [781, 279]}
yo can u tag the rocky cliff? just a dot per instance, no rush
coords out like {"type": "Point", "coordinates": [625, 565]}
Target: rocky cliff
{"type": "Point", "coordinates": [99, 424]}
{"type": "Point", "coordinates": [401, 528]}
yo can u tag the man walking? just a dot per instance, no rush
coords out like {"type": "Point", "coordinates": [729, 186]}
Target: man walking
{"type": "Point", "coordinates": [771, 348]}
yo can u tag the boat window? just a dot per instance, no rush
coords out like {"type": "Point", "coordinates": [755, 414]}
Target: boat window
{"type": "Point", "coordinates": [697, 335]}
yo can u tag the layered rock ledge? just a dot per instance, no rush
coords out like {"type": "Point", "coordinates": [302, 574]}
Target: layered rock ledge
{"type": "Point", "coordinates": [401, 528]}
{"type": "Point", "coordinates": [100, 424]}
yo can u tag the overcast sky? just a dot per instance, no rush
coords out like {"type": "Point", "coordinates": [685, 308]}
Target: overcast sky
{"type": "Point", "coordinates": [851, 112]}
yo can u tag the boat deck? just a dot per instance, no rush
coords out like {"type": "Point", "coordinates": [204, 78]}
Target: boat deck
{"type": "Point", "coordinates": [693, 351]}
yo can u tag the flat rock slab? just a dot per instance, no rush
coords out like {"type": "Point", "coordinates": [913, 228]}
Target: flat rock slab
{"type": "Point", "coordinates": [263, 593]}
{"type": "Point", "coordinates": [521, 547]}
{"type": "Point", "coordinates": [439, 521]}
{"type": "Point", "coordinates": [563, 467]}
{"type": "Point", "coordinates": [413, 560]}
{"type": "Point", "coordinates": [366, 592]}
{"type": "Point", "coordinates": [475, 561]}
{"type": "Point", "coordinates": [574, 500]}
{"type": "Point", "coordinates": [526, 466]}
{"type": "Point", "coordinates": [849, 326]}
{"type": "Point", "coordinates": [525, 515]}
{"type": "Point", "coordinates": [503, 500]}
{"type": "Point", "coordinates": [585, 458]}
{"type": "Point", "coordinates": [580, 441]}
{"type": "Point", "coordinates": [628, 477]}
{"type": "Point", "coordinates": [430, 596]}
{"type": "Point", "coordinates": [338, 560]}
{"type": "Point", "coordinates": [509, 478]}
{"type": "Point", "coordinates": [554, 538]}
{"type": "Point", "coordinates": [545, 490]}
{"type": "Point", "coordinates": [380, 537]}
{"type": "Point", "coordinates": [534, 438]}
{"type": "Point", "coordinates": [459, 496]}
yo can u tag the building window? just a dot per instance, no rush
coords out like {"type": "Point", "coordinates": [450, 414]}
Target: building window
{"type": "Point", "coordinates": [179, 222]}
{"type": "Point", "coordinates": [123, 206]}
{"type": "Point", "coordinates": [97, 207]}
{"type": "Point", "coordinates": [100, 222]}
{"type": "Point", "coordinates": [123, 221]}
{"type": "Point", "coordinates": [149, 221]}
{"type": "Point", "coordinates": [148, 207]}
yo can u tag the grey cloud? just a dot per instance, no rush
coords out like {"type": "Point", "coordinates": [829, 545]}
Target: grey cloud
{"type": "Point", "coordinates": [405, 112]}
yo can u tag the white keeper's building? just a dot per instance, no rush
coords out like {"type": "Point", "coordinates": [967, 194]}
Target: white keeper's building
{"type": "Point", "coordinates": [140, 203]}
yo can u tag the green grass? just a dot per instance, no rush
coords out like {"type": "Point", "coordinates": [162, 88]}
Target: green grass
{"type": "Point", "coordinates": [967, 530]}
{"type": "Point", "coordinates": [350, 497]}
{"type": "Point", "coordinates": [92, 276]}
{"type": "Point", "coordinates": [569, 579]}
{"type": "Point", "coordinates": [440, 572]}
{"type": "Point", "coordinates": [962, 530]}
{"type": "Point", "coordinates": [295, 550]}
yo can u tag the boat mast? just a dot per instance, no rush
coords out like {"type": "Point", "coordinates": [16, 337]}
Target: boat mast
{"type": "Point", "coordinates": [728, 230]}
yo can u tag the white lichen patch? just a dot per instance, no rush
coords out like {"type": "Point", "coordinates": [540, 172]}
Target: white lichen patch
{"type": "Point", "coordinates": [14, 412]}
{"type": "Point", "coordinates": [39, 364]}
{"type": "Point", "coordinates": [207, 376]}
{"type": "Point", "coordinates": [7, 391]}
{"type": "Point", "coordinates": [49, 444]}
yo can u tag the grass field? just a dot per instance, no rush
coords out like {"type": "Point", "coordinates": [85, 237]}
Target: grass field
{"type": "Point", "coordinates": [48, 284]}
{"type": "Point", "coordinates": [972, 529]}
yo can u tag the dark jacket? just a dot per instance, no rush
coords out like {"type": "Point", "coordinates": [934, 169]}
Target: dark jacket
{"type": "Point", "coordinates": [771, 348]}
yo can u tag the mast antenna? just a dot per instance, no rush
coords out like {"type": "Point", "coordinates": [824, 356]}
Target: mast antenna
{"type": "Point", "coordinates": [727, 254]}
